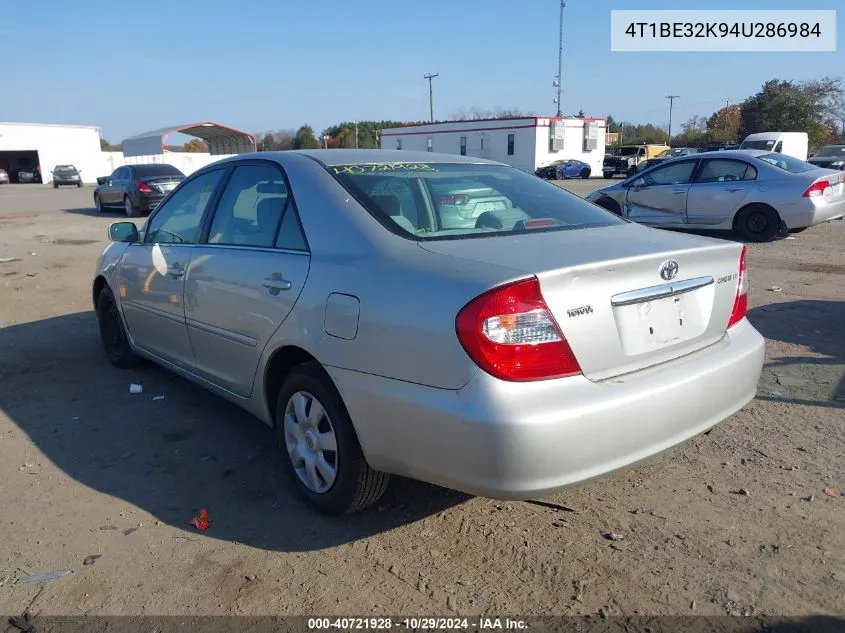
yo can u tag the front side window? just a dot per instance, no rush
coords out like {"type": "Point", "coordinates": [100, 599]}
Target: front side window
{"type": "Point", "coordinates": [720, 170]}
{"type": "Point", "coordinates": [438, 201]}
{"type": "Point", "coordinates": [675, 174]}
{"type": "Point", "coordinates": [511, 142]}
{"type": "Point", "coordinates": [250, 208]}
{"type": "Point", "coordinates": [178, 219]}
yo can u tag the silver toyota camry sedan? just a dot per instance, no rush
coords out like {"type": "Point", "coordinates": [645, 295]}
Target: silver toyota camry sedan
{"type": "Point", "coordinates": [759, 194]}
{"type": "Point", "coordinates": [440, 317]}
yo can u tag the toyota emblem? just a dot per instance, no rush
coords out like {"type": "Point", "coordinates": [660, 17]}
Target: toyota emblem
{"type": "Point", "coordinates": [669, 269]}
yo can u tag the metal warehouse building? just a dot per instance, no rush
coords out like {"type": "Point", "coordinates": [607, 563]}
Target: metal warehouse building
{"type": "Point", "coordinates": [526, 143]}
{"type": "Point", "coordinates": [42, 146]}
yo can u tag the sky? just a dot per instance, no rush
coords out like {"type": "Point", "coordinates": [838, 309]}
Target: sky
{"type": "Point", "coordinates": [130, 67]}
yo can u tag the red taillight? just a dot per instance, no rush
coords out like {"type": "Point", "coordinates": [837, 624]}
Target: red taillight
{"type": "Point", "coordinates": [817, 189]}
{"type": "Point", "coordinates": [741, 301]}
{"type": "Point", "coordinates": [510, 333]}
{"type": "Point", "coordinates": [143, 187]}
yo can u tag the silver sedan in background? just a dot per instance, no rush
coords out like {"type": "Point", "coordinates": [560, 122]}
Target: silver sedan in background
{"type": "Point", "coordinates": [756, 193]}
{"type": "Point", "coordinates": [444, 318]}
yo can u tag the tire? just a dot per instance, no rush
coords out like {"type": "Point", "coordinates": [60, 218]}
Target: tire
{"type": "Point", "coordinates": [112, 333]}
{"type": "Point", "coordinates": [98, 204]}
{"type": "Point", "coordinates": [631, 171]}
{"type": "Point", "coordinates": [607, 175]}
{"type": "Point", "coordinates": [129, 208]}
{"type": "Point", "coordinates": [55, 186]}
{"type": "Point", "coordinates": [609, 204]}
{"type": "Point", "coordinates": [558, 175]}
{"type": "Point", "coordinates": [79, 185]}
{"type": "Point", "coordinates": [351, 485]}
{"type": "Point", "coordinates": [757, 223]}
{"type": "Point", "coordinates": [585, 173]}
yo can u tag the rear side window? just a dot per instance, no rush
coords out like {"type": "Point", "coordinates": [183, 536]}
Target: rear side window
{"type": "Point", "coordinates": [716, 170]}
{"type": "Point", "coordinates": [435, 201]}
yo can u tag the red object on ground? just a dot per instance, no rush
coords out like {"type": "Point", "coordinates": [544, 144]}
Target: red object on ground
{"type": "Point", "coordinates": [201, 522]}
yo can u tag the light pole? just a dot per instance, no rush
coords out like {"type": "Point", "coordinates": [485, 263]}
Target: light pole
{"type": "Point", "coordinates": [671, 103]}
{"type": "Point", "coordinates": [431, 93]}
{"type": "Point", "coordinates": [559, 81]}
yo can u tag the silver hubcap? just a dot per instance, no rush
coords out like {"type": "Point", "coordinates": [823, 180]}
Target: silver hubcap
{"type": "Point", "coordinates": [128, 206]}
{"type": "Point", "coordinates": [311, 442]}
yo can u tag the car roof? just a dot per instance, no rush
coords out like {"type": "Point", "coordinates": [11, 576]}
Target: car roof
{"type": "Point", "coordinates": [334, 157]}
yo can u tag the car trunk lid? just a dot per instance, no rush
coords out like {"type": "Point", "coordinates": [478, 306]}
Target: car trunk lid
{"type": "Point", "coordinates": [162, 184]}
{"type": "Point", "coordinates": [605, 290]}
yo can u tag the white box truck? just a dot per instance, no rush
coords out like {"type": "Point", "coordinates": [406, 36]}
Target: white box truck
{"type": "Point", "coordinates": [795, 144]}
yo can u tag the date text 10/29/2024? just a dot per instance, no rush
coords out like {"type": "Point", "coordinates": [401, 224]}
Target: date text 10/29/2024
{"type": "Point", "coordinates": [416, 624]}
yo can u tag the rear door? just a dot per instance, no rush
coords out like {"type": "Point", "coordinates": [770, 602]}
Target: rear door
{"type": "Point", "coordinates": [719, 189]}
{"type": "Point", "coordinates": [659, 196]}
{"type": "Point", "coordinates": [245, 276]}
{"type": "Point", "coordinates": [152, 273]}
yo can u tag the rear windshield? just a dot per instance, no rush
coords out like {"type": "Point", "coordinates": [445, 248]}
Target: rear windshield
{"type": "Point", "coordinates": [832, 150]}
{"type": "Point", "coordinates": [146, 171]}
{"type": "Point", "coordinates": [787, 163]}
{"type": "Point", "coordinates": [436, 201]}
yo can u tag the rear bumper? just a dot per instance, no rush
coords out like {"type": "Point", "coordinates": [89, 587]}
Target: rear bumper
{"type": "Point", "coordinates": [149, 203]}
{"type": "Point", "coordinates": [811, 212]}
{"type": "Point", "coordinates": [523, 440]}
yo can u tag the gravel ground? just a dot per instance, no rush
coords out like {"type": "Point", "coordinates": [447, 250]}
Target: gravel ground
{"type": "Point", "coordinates": [736, 521]}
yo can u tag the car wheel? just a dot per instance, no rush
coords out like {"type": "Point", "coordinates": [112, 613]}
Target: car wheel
{"type": "Point", "coordinates": [98, 204]}
{"type": "Point", "coordinates": [558, 174]}
{"type": "Point", "coordinates": [315, 434]}
{"type": "Point", "coordinates": [131, 211]}
{"type": "Point", "coordinates": [607, 175]}
{"type": "Point", "coordinates": [632, 171]}
{"type": "Point", "coordinates": [610, 205]}
{"type": "Point", "coordinates": [112, 333]}
{"type": "Point", "coordinates": [757, 223]}
{"type": "Point", "coordinates": [585, 173]}
{"type": "Point", "coordinates": [79, 184]}
{"type": "Point", "coordinates": [55, 186]}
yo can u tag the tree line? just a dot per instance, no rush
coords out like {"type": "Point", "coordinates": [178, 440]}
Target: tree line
{"type": "Point", "coordinates": [816, 107]}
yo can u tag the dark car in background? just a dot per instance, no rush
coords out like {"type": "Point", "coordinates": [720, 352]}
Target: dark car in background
{"type": "Point", "coordinates": [28, 175]}
{"type": "Point", "coordinates": [829, 157]}
{"type": "Point", "coordinates": [66, 175]}
{"type": "Point", "coordinates": [137, 189]}
{"type": "Point", "coordinates": [567, 168]}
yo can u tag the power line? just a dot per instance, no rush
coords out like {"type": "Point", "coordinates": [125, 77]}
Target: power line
{"type": "Point", "coordinates": [431, 94]}
{"type": "Point", "coordinates": [671, 103]}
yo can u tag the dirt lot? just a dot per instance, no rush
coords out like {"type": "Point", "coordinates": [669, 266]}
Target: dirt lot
{"type": "Point", "coordinates": [736, 521]}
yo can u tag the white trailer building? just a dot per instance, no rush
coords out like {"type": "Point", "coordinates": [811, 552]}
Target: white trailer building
{"type": "Point", "coordinates": [526, 143]}
{"type": "Point", "coordinates": [42, 146]}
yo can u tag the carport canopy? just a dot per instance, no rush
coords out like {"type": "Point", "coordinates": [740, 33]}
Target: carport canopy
{"type": "Point", "coordinates": [220, 139]}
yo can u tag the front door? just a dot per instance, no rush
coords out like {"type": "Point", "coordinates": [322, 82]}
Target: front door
{"type": "Point", "coordinates": [112, 192]}
{"type": "Point", "coordinates": [719, 189]}
{"type": "Point", "coordinates": [152, 274]}
{"type": "Point", "coordinates": [659, 195]}
{"type": "Point", "coordinates": [245, 277]}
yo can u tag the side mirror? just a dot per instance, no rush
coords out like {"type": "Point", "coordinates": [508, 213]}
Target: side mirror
{"type": "Point", "coordinates": [811, 155]}
{"type": "Point", "coordinates": [101, 180]}
{"type": "Point", "coordinates": [638, 183]}
{"type": "Point", "coordinates": [123, 232]}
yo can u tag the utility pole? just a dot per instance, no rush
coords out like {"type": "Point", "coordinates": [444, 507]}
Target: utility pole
{"type": "Point", "coordinates": [671, 103]}
{"type": "Point", "coordinates": [559, 82]}
{"type": "Point", "coordinates": [431, 93]}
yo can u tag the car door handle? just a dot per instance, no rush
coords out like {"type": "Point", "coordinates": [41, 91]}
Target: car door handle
{"type": "Point", "coordinates": [176, 270]}
{"type": "Point", "coordinates": [277, 283]}
{"type": "Point", "coordinates": [679, 192]}
{"type": "Point", "coordinates": [733, 189]}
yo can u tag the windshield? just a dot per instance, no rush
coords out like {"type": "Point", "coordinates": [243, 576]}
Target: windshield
{"type": "Point", "coordinates": [627, 151]}
{"type": "Point", "coordinates": [766, 145]}
{"type": "Point", "coordinates": [65, 169]}
{"type": "Point", "coordinates": [832, 150]}
{"type": "Point", "coordinates": [435, 201]}
{"type": "Point", "coordinates": [787, 163]}
{"type": "Point", "coordinates": [146, 171]}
